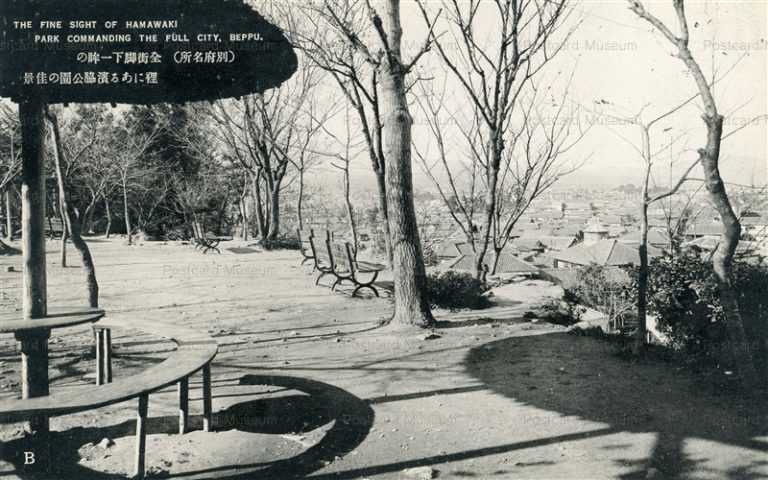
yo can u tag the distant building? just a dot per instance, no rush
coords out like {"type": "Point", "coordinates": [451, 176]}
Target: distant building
{"type": "Point", "coordinates": [703, 229]}
{"type": "Point", "coordinates": [604, 253]}
{"type": "Point", "coordinates": [594, 232]}
{"type": "Point", "coordinates": [656, 238]}
{"type": "Point", "coordinates": [507, 264]}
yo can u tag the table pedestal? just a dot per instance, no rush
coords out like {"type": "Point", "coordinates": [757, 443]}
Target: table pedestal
{"type": "Point", "coordinates": [34, 370]}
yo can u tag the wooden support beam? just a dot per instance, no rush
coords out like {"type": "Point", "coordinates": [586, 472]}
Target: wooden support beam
{"type": "Point", "coordinates": [33, 208]}
{"type": "Point", "coordinates": [107, 355]}
{"type": "Point", "coordinates": [141, 437]}
{"type": "Point", "coordinates": [183, 405]}
{"type": "Point", "coordinates": [34, 346]}
{"type": "Point", "coordinates": [207, 411]}
{"type": "Point", "coordinates": [99, 355]}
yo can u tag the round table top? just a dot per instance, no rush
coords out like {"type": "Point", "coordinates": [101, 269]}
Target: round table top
{"type": "Point", "coordinates": [56, 318]}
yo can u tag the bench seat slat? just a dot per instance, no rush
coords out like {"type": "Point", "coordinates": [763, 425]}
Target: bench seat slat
{"type": "Point", "coordinates": [367, 267]}
{"type": "Point", "coordinates": [194, 351]}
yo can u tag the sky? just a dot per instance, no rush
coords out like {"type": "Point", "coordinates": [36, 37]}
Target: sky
{"type": "Point", "coordinates": [617, 58]}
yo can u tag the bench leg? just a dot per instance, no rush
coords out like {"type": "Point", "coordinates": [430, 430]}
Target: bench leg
{"type": "Point", "coordinates": [322, 274]}
{"type": "Point", "coordinates": [368, 284]}
{"type": "Point", "coordinates": [141, 436]}
{"type": "Point", "coordinates": [183, 405]}
{"type": "Point", "coordinates": [207, 398]}
{"type": "Point", "coordinates": [99, 356]}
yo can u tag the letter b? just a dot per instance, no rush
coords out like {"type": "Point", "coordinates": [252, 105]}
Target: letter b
{"type": "Point", "coordinates": [29, 458]}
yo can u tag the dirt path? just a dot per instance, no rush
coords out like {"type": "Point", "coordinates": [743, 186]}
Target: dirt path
{"type": "Point", "coordinates": [306, 384]}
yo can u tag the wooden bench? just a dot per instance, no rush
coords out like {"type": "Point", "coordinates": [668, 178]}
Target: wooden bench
{"type": "Point", "coordinates": [323, 263]}
{"type": "Point", "coordinates": [305, 242]}
{"type": "Point", "coordinates": [337, 259]}
{"type": "Point", "coordinates": [210, 242]}
{"type": "Point", "coordinates": [347, 267]}
{"type": "Point", "coordinates": [195, 353]}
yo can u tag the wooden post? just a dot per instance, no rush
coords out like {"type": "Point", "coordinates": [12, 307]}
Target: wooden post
{"type": "Point", "coordinates": [183, 405]}
{"type": "Point", "coordinates": [33, 208]}
{"type": "Point", "coordinates": [141, 436]}
{"type": "Point", "coordinates": [207, 397]}
{"type": "Point", "coordinates": [34, 345]}
{"type": "Point", "coordinates": [99, 355]}
{"type": "Point", "coordinates": [107, 338]}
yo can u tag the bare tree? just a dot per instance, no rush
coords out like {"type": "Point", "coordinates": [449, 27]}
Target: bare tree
{"type": "Point", "coordinates": [533, 159]}
{"type": "Point", "coordinates": [386, 58]}
{"type": "Point", "coordinates": [9, 122]}
{"type": "Point", "coordinates": [72, 226]}
{"type": "Point", "coordinates": [264, 133]}
{"type": "Point", "coordinates": [130, 147]}
{"type": "Point", "coordinates": [341, 162]}
{"type": "Point", "coordinates": [709, 157]}
{"type": "Point", "coordinates": [494, 66]}
{"type": "Point", "coordinates": [357, 78]}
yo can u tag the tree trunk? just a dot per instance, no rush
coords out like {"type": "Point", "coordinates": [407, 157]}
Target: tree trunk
{"type": "Point", "coordinates": [411, 304]}
{"type": "Point", "coordinates": [244, 210]}
{"type": "Point", "coordinates": [109, 216]}
{"type": "Point", "coordinates": [258, 207]}
{"type": "Point", "coordinates": [490, 207]}
{"type": "Point", "coordinates": [86, 223]}
{"type": "Point", "coordinates": [125, 213]}
{"type": "Point", "coordinates": [300, 200]}
{"type": "Point", "coordinates": [722, 261]}
{"type": "Point", "coordinates": [497, 252]}
{"type": "Point", "coordinates": [381, 183]}
{"type": "Point", "coordinates": [641, 334]}
{"type": "Point", "coordinates": [8, 215]}
{"type": "Point", "coordinates": [274, 212]}
{"type": "Point", "coordinates": [64, 232]}
{"type": "Point", "coordinates": [73, 226]}
{"type": "Point", "coordinates": [350, 210]}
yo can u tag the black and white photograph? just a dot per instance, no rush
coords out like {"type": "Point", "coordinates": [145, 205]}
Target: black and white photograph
{"type": "Point", "coordinates": [384, 239]}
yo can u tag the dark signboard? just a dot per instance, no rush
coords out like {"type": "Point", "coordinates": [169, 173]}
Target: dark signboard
{"type": "Point", "coordinates": [138, 51]}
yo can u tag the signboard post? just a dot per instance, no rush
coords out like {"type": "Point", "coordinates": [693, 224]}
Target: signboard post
{"type": "Point", "coordinates": [118, 51]}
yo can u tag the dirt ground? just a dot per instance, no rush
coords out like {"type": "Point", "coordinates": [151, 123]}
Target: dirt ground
{"type": "Point", "coordinates": [307, 384]}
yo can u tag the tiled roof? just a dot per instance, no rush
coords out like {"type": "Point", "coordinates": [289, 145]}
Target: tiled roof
{"type": "Point", "coordinates": [711, 242]}
{"type": "Point", "coordinates": [655, 237]}
{"type": "Point", "coordinates": [705, 228]}
{"type": "Point", "coordinates": [508, 263]}
{"type": "Point", "coordinates": [604, 252]}
{"type": "Point", "coordinates": [454, 249]}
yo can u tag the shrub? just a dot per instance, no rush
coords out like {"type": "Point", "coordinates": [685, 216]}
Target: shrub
{"type": "Point", "coordinates": [605, 289]}
{"type": "Point", "coordinates": [281, 243]}
{"type": "Point", "coordinates": [564, 312]}
{"type": "Point", "coordinates": [455, 290]}
{"type": "Point", "coordinates": [683, 295]}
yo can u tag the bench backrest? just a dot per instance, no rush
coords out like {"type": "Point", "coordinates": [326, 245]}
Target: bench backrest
{"type": "Point", "coordinates": [320, 249]}
{"type": "Point", "coordinates": [343, 257]}
{"type": "Point", "coordinates": [304, 240]}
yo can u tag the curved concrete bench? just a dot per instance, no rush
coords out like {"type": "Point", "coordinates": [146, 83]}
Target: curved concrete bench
{"type": "Point", "coordinates": [194, 353]}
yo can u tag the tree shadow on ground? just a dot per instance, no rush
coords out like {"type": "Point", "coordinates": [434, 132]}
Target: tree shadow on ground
{"type": "Point", "coordinates": [583, 377]}
{"type": "Point", "coordinates": [315, 404]}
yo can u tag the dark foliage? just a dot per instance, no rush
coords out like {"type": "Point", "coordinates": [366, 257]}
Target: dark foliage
{"type": "Point", "coordinates": [564, 312]}
{"type": "Point", "coordinates": [684, 297]}
{"type": "Point", "coordinates": [456, 290]}
{"type": "Point", "coordinates": [281, 243]}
